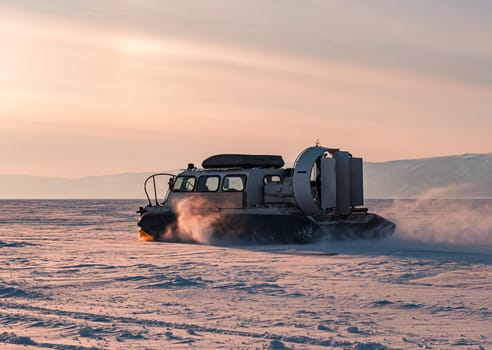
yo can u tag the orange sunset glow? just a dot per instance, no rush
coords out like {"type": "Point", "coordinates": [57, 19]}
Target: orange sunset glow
{"type": "Point", "coordinates": [133, 87]}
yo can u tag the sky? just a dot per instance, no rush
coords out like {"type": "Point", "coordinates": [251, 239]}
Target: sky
{"type": "Point", "coordinates": [100, 87]}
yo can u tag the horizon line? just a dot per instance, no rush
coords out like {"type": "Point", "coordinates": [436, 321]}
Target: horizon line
{"type": "Point", "coordinates": [182, 169]}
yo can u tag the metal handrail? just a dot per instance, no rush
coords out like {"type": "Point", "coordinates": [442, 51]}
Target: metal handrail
{"type": "Point", "coordinates": [155, 187]}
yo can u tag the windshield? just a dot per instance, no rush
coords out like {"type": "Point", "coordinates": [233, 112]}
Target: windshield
{"type": "Point", "coordinates": [184, 184]}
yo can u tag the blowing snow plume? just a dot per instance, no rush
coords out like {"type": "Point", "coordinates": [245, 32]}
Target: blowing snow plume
{"type": "Point", "coordinates": [193, 223]}
{"type": "Point", "coordinates": [452, 221]}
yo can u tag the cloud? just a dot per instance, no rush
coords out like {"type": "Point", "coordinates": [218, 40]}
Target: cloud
{"type": "Point", "coordinates": [91, 69]}
{"type": "Point", "coordinates": [448, 40]}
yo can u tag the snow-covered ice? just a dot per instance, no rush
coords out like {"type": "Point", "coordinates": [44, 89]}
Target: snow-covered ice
{"type": "Point", "coordinates": [73, 275]}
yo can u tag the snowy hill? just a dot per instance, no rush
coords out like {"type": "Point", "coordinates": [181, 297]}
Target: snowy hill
{"type": "Point", "coordinates": [468, 175]}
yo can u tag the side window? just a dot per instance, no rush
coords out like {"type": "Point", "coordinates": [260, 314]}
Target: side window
{"type": "Point", "coordinates": [234, 183]}
{"type": "Point", "coordinates": [271, 178]}
{"type": "Point", "coordinates": [208, 183]}
{"type": "Point", "coordinates": [184, 184]}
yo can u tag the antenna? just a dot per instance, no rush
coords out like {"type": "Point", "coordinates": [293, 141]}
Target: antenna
{"type": "Point", "coordinates": [317, 142]}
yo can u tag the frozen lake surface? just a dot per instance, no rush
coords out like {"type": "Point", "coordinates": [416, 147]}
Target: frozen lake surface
{"type": "Point", "coordinates": [73, 275]}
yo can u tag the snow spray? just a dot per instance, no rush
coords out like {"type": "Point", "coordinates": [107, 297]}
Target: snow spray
{"type": "Point", "coordinates": [453, 221]}
{"type": "Point", "coordinates": [193, 224]}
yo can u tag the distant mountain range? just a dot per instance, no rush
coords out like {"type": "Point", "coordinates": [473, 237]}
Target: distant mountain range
{"type": "Point", "coordinates": [120, 186]}
{"type": "Point", "coordinates": [461, 176]}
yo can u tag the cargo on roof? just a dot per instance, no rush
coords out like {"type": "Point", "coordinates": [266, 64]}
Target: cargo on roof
{"type": "Point", "coordinates": [245, 161]}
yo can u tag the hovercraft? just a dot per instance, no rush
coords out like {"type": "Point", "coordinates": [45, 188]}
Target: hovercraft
{"type": "Point", "coordinates": [255, 199]}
